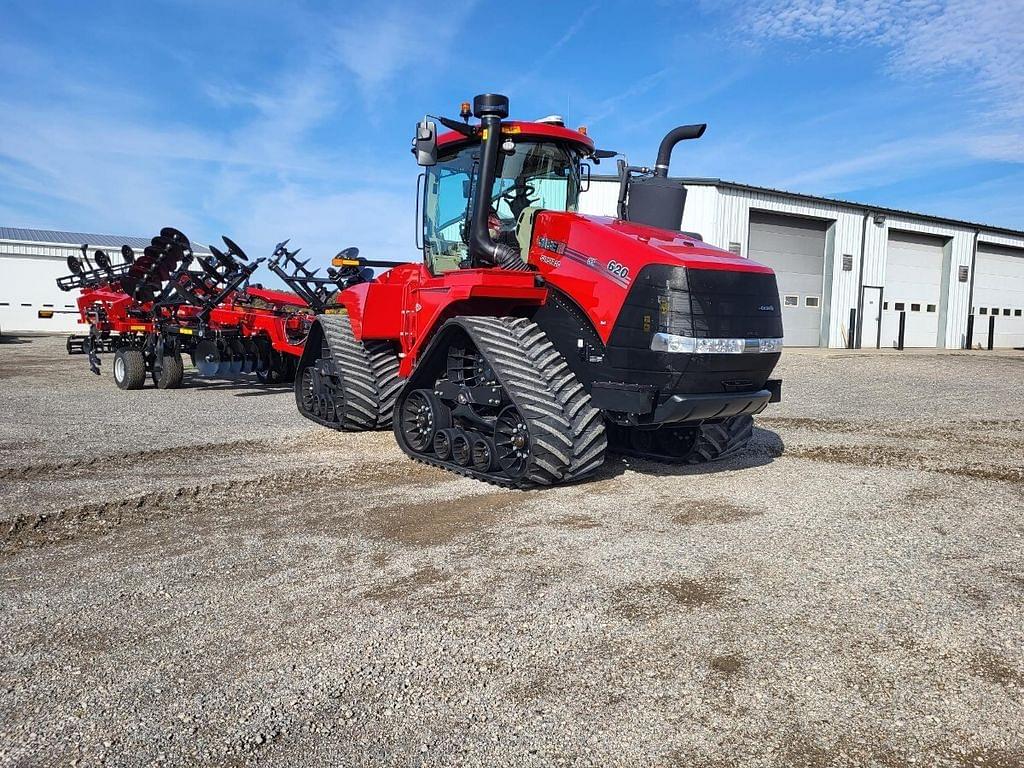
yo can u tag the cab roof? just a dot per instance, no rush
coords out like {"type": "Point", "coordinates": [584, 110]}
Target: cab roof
{"type": "Point", "coordinates": [584, 143]}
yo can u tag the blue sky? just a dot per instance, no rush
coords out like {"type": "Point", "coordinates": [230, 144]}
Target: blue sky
{"type": "Point", "coordinates": [264, 121]}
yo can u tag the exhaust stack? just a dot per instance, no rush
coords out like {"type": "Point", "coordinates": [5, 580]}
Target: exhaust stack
{"type": "Point", "coordinates": [653, 198]}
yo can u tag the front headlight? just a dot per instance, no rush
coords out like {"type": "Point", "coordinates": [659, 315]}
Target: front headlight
{"type": "Point", "coordinates": [674, 343]}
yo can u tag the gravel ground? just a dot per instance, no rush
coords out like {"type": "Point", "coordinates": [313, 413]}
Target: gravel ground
{"type": "Point", "coordinates": [201, 577]}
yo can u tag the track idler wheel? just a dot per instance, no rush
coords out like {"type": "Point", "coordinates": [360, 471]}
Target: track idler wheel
{"type": "Point", "coordinates": [443, 444]}
{"type": "Point", "coordinates": [423, 414]}
{"type": "Point", "coordinates": [129, 368]}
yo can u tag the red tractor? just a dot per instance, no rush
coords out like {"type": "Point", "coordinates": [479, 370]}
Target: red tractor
{"type": "Point", "coordinates": [531, 338]}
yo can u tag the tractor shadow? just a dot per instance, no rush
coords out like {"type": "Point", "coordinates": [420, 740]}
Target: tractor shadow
{"type": "Point", "coordinates": [243, 386]}
{"type": "Point", "coordinates": [764, 447]}
{"type": "Point", "coordinates": [7, 338]}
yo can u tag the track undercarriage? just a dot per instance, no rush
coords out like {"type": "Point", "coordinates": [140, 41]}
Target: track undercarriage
{"type": "Point", "coordinates": [492, 399]}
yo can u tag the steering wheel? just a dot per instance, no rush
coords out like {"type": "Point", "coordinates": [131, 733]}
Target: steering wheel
{"type": "Point", "coordinates": [517, 197]}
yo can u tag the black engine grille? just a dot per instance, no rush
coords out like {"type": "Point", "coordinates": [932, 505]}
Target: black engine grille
{"type": "Point", "coordinates": [703, 303]}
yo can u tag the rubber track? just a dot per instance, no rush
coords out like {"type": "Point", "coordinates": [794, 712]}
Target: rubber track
{"type": "Point", "coordinates": [714, 442]}
{"type": "Point", "coordinates": [566, 432]}
{"type": "Point", "coordinates": [359, 407]}
{"type": "Point", "coordinates": [384, 364]}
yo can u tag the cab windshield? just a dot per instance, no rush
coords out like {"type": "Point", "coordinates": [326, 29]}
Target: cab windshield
{"type": "Point", "coordinates": [530, 175]}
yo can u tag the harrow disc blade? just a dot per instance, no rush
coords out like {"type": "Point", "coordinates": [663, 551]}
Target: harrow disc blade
{"type": "Point", "coordinates": [208, 359]}
{"type": "Point", "coordinates": [250, 355]}
{"type": "Point", "coordinates": [262, 359]}
{"type": "Point", "coordinates": [75, 264]}
{"type": "Point", "coordinates": [233, 248]}
{"type": "Point", "coordinates": [237, 356]}
{"type": "Point", "coordinates": [127, 254]}
{"type": "Point", "coordinates": [176, 236]}
{"type": "Point", "coordinates": [102, 260]}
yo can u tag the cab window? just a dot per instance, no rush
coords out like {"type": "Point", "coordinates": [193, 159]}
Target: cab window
{"type": "Point", "coordinates": [530, 174]}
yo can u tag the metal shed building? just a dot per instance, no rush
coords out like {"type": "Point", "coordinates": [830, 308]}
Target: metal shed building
{"type": "Point", "coordinates": [31, 260]}
{"type": "Point", "coordinates": [833, 256]}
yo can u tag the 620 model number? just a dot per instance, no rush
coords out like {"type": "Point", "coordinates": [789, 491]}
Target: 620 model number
{"type": "Point", "coordinates": [619, 270]}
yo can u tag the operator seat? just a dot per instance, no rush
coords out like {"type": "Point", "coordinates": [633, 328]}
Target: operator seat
{"type": "Point", "coordinates": [524, 229]}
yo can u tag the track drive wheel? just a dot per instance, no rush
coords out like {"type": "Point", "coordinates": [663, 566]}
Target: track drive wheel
{"type": "Point", "coordinates": [170, 371]}
{"type": "Point", "coordinates": [129, 368]}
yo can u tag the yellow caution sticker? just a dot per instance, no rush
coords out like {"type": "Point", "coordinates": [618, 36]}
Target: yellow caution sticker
{"type": "Point", "coordinates": [186, 331]}
{"type": "Point", "coordinates": [138, 327]}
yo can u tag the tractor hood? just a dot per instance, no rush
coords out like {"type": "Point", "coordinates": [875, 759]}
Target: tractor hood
{"type": "Point", "coordinates": [659, 246]}
{"type": "Point", "coordinates": [605, 264]}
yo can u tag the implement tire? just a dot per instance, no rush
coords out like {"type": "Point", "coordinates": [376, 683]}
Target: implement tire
{"type": "Point", "coordinates": [129, 368]}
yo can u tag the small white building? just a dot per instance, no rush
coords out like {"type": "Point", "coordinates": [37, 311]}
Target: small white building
{"type": "Point", "coordinates": [31, 260]}
{"type": "Point", "coordinates": [839, 262]}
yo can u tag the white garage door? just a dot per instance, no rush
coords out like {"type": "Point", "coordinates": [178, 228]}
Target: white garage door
{"type": "Point", "coordinates": [30, 285]}
{"type": "Point", "coordinates": [999, 292]}
{"type": "Point", "coordinates": [795, 249]}
{"type": "Point", "coordinates": [913, 284]}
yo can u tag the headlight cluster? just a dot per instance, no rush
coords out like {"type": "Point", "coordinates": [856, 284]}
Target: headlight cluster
{"type": "Point", "coordinates": [671, 342]}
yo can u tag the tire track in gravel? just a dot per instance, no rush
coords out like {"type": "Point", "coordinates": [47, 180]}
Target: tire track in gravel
{"type": "Point", "coordinates": [43, 529]}
{"type": "Point", "coordinates": [41, 470]}
{"type": "Point", "coordinates": [967, 433]}
{"type": "Point", "coordinates": [902, 458]}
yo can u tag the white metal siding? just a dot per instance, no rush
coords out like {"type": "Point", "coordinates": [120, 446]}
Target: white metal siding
{"type": "Point", "coordinates": [999, 286]}
{"type": "Point", "coordinates": [28, 283]}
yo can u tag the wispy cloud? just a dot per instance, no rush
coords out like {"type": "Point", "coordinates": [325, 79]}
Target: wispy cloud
{"type": "Point", "coordinates": [610, 104]}
{"type": "Point", "coordinates": [544, 59]}
{"type": "Point", "coordinates": [982, 40]}
{"type": "Point", "coordinates": [378, 43]}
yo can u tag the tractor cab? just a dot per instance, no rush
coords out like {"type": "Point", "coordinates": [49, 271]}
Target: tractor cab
{"type": "Point", "coordinates": [525, 167]}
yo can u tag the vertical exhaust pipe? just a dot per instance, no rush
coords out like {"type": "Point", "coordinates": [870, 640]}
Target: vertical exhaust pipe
{"type": "Point", "coordinates": [673, 137]}
{"type": "Point", "coordinates": [656, 200]}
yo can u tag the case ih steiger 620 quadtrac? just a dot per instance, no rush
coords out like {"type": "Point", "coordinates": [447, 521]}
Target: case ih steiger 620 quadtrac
{"type": "Point", "coordinates": [532, 338]}
{"type": "Point", "coordinates": [170, 301]}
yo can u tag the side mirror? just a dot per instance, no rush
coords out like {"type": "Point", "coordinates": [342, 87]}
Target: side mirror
{"type": "Point", "coordinates": [584, 177]}
{"type": "Point", "coordinates": [425, 143]}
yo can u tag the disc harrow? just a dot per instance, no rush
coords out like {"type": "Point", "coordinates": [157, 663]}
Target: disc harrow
{"type": "Point", "coordinates": [171, 301]}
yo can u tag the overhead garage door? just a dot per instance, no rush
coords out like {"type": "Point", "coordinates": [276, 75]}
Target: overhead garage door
{"type": "Point", "coordinates": [999, 291]}
{"type": "Point", "coordinates": [795, 249]}
{"type": "Point", "coordinates": [913, 284]}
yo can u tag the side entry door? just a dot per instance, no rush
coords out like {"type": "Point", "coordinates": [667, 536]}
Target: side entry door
{"type": "Point", "coordinates": [871, 319]}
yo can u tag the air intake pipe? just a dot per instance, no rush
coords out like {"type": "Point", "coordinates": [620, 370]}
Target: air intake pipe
{"type": "Point", "coordinates": [655, 199]}
{"type": "Point", "coordinates": [490, 108]}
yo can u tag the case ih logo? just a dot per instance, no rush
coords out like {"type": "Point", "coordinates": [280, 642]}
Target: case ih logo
{"type": "Point", "coordinates": [551, 245]}
{"type": "Point", "coordinates": [766, 308]}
